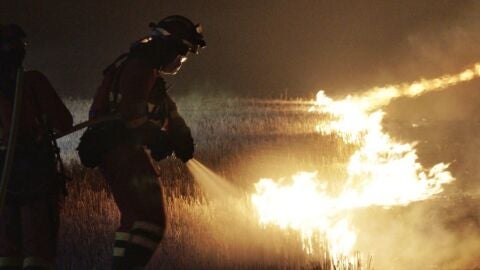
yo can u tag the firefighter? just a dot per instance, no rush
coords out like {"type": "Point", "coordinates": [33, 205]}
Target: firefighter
{"type": "Point", "coordinates": [29, 218]}
{"type": "Point", "coordinates": [150, 128]}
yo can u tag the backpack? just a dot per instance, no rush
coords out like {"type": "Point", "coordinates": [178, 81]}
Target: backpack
{"type": "Point", "coordinates": [107, 95]}
{"type": "Point", "coordinates": [98, 139]}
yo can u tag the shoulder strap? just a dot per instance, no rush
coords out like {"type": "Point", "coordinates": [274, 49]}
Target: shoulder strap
{"type": "Point", "coordinates": [115, 91]}
{"type": "Point", "coordinates": [114, 64]}
{"type": "Point", "coordinates": [41, 117]}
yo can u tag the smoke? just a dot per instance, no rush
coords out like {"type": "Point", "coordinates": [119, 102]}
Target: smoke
{"type": "Point", "coordinates": [454, 45]}
{"type": "Point", "coordinates": [439, 48]}
{"type": "Point", "coordinates": [438, 234]}
{"type": "Point", "coordinates": [443, 233]}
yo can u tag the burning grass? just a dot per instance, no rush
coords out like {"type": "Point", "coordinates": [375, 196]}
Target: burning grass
{"type": "Point", "coordinates": [243, 141]}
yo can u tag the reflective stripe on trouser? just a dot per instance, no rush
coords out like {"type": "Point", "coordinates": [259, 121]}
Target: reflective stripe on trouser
{"type": "Point", "coordinates": [10, 263]}
{"type": "Point", "coordinates": [121, 242]}
{"type": "Point", "coordinates": [146, 234]}
{"type": "Point", "coordinates": [141, 243]}
{"type": "Point", "coordinates": [36, 263]}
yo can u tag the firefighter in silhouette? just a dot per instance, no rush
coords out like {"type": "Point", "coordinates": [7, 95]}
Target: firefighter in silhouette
{"type": "Point", "coordinates": [29, 218]}
{"type": "Point", "coordinates": [149, 126]}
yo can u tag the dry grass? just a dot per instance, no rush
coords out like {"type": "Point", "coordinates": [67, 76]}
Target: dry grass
{"type": "Point", "coordinates": [242, 140]}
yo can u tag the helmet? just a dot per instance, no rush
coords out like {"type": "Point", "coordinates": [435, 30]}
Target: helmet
{"type": "Point", "coordinates": [182, 29]}
{"type": "Point", "coordinates": [12, 53]}
{"type": "Point", "coordinates": [12, 37]}
{"type": "Point", "coordinates": [12, 46]}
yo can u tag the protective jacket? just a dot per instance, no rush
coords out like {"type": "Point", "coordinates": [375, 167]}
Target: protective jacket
{"type": "Point", "coordinates": [29, 219]}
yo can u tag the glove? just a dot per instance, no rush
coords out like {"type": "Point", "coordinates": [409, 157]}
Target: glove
{"type": "Point", "coordinates": [160, 147]}
{"type": "Point", "coordinates": [156, 139]}
{"type": "Point", "coordinates": [182, 143]}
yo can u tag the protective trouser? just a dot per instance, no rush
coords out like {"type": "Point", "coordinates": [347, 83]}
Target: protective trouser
{"type": "Point", "coordinates": [28, 236]}
{"type": "Point", "coordinates": [133, 179]}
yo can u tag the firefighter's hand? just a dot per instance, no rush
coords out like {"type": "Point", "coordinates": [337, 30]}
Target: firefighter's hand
{"type": "Point", "coordinates": [182, 142]}
{"type": "Point", "coordinates": [160, 148]}
{"type": "Point", "coordinates": [156, 139]}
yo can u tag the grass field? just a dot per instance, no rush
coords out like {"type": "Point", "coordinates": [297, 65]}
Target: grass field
{"type": "Point", "coordinates": [245, 140]}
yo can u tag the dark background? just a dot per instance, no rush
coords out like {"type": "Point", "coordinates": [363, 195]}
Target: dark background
{"type": "Point", "coordinates": [279, 48]}
{"type": "Point", "coordinates": [257, 48]}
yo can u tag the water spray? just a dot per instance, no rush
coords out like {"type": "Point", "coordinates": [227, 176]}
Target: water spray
{"type": "Point", "coordinates": [214, 186]}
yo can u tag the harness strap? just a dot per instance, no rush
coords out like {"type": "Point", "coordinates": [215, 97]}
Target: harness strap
{"type": "Point", "coordinates": [115, 96]}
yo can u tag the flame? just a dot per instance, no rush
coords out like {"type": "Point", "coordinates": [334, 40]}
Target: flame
{"type": "Point", "coordinates": [382, 172]}
{"type": "Point", "coordinates": [304, 205]}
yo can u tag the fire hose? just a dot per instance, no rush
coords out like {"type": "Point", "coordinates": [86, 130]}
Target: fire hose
{"type": "Point", "coordinates": [12, 137]}
{"type": "Point", "coordinates": [88, 123]}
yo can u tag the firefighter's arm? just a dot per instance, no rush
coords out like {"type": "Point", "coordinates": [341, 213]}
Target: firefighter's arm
{"type": "Point", "coordinates": [136, 82]}
{"type": "Point", "coordinates": [58, 116]}
{"type": "Point", "coordinates": [179, 134]}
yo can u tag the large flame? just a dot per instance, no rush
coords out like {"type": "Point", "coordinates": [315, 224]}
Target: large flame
{"type": "Point", "coordinates": [382, 172]}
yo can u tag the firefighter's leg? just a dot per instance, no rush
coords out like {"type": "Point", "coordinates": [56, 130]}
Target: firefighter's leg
{"type": "Point", "coordinates": [136, 189]}
{"type": "Point", "coordinates": [39, 231]}
{"type": "Point", "coordinates": [10, 238]}
{"type": "Point", "coordinates": [144, 239]}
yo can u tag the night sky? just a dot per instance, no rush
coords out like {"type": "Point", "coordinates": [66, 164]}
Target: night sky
{"type": "Point", "coordinates": [257, 48]}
